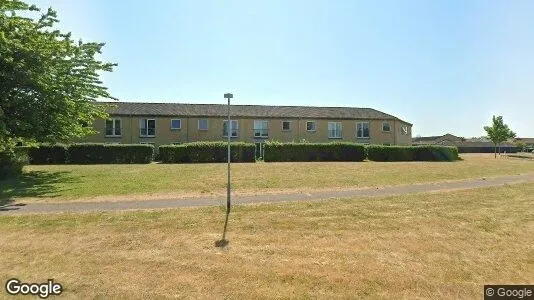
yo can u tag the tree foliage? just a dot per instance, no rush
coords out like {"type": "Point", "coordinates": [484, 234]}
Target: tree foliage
{"type": "Point", "coordinates": [498, 132]}
{"type": "Point", "coordinates": [48, 82]}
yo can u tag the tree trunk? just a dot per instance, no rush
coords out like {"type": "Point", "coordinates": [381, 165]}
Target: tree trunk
{"type": "Point", "coordinates": [495, 150]}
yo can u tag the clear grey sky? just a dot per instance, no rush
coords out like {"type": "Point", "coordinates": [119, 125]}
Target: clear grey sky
{"type": "Point", "coordinates": [446, 66]}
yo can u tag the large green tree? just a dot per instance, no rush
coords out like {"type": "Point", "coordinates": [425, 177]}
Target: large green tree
{"type": "Point", "coordinates": [48, 82]}
{"type": "Point", "coordinates": [498, 132]}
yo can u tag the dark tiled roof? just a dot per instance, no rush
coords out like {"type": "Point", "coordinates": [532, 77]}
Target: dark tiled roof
{"type": "Point", "coordinates": [425, 138]}
{"type": "Point", "coordinates": [252, 111]}
{"type": "Point", "coordinates": [436, 139]}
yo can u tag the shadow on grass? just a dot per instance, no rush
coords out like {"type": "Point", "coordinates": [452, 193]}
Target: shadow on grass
{"type": "Point", "coordinates": [33, 184]}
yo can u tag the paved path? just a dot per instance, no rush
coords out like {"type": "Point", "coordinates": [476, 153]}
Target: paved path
{"type": "Point", "coordinates": [24, 208]}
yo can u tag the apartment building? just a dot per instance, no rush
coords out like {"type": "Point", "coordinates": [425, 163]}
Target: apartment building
{"type": "Point", "coordinates": [174, 123]}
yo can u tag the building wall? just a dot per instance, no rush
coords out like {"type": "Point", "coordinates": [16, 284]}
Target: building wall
{"type": "Point", "coordinates": [189, 131]}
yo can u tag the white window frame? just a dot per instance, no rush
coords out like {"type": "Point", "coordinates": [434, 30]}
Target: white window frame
{"type": "Point", "coordinates": [315, 126]}
{"type": "Point", "coordinates": [146, 120]}
{"type": "Point", "coordinates": [340, 130]}
{"type": "Point", "coordinates": [282, 125]}
{"type": "Point", "coordinates": [383, 123]}
{"type": "Point", "coordinates": [232, 129]}
{"type": "Point", "coordinates": [358, 133]}
{"type": "Point", "coordinates": [264, 126]}
{"type": "Point", "coordinates": [113, 128]}
{"type": "Point", "coordinates": [207, 124]}
{"type": "Point", "coordinates": [176, 128]}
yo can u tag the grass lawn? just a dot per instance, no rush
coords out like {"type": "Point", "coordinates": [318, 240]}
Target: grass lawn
{"type": "Point", "coordinates": [109, 182]}
{"type": "Point", "coordinates": [439, 245]}
{"type": "Point", "coordinates": [521, 155]}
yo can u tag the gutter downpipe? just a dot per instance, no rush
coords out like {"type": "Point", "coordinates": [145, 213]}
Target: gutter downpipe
{"type": "Point", "coordinates": [395, 132]}
{"type": "Point", "coordinates": [131, 129]}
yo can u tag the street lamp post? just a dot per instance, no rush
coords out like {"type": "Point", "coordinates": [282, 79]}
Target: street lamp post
{"type": "Point", "coordinates": [223, 242]}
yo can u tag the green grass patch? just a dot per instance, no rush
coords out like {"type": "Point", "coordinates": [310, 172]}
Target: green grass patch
{"type": "Point", "coordinates": [75, 182]}
{"type": "Point", "coordinates": [448, 244]}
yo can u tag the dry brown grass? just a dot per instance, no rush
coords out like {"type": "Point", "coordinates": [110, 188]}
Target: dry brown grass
{"type": "Point", "coordinates": [105, 182]}
{"type": "Point", "coordinates": [441, 245]}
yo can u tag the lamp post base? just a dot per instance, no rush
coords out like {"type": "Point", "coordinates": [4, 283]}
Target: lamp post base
{"type": "Point", "coordinates": [221, 243]}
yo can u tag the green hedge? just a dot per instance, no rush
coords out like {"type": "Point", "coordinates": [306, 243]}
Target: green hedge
{"type": "Point", "coordinates": [47, 154]}
{"type": "Point", "coordinates": [336, 151]}
{"type": "Point", "coordinates": [110, 153]}
{"type": "Point", "coordinates": [206, 152]}
{"type": "Point", "coordinates": [12, 162]}
{"type": "Point", "coordinates": [411, 153]}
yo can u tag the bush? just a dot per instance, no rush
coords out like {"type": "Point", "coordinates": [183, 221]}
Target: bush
{"type": "Point", "coordinates": [436, 153]}
{"type": "Point", "coordinates": [207, 152]}
{"type": "Point", "coordinates": [110, 153]}
{"type": "Point", "coordinates": [12, 162]}
{"type": "Point", "coordinates": [47, 154]}
{"type": "Point", "coordinates": [337, 151]}
{"type": "Point", "coordinates": [411, 153]}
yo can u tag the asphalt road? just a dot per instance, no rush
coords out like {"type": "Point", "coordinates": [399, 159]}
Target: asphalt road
{"type": "Point", "coordinates": [40, 208]}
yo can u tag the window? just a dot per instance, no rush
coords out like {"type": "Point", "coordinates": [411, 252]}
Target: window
{"type": "Point", "coordinates": [203, 124]}
{"type": "Point", "coordinates": [261, 128]}
{"type": "Point", "coordinates": [233, 128]}
{"type": "Point", "coordinates": [311, 126]}
{"type": "Point", "coordinates": [404, 129]}
{"type": "Point", "coordinates": [113, 127]}
{"type": "Point", "coordinates": [362, 130]}
{"type": "Point", "coordinates": [147, 127]}
{"type": "Point", "coordinates": [334, 130]}
{"type": "Point", "coordinates": [386, 127]}
{"type": "Point", "coordinates": [286, 125]}
{"type": "Point", "coordinates": [176, 124]}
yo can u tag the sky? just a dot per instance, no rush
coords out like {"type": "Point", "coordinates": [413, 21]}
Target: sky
{"type": "Point", "coordinates": [445, 66]}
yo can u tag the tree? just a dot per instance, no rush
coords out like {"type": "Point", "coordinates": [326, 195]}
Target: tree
{"type": "Point", "coordinates": [498, 132]}
{"type": "Point", "coordinates": [521, 146]}
{"type": "Point", "coordinates": [49, 83]}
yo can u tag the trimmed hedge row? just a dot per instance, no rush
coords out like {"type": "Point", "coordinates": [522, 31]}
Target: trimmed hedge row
{"type": "Point", "coordinates": [411, 153]}
{"type": "Point", "coordinates": [337, 151]}
{"type": "Point", "coordinates": [207, 152]}
{"type": "Point", "coordinates": [110, 153]}
{"type": "Point", "coordinates": [88, 153]}
{"type": "Point", "coordinates": [47, 154]}
{"type": "Point", "coordinates": [491, 149]}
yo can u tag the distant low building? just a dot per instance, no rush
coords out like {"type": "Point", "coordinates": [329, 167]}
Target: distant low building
{"type": "Point", "coordinates": [529, 143]}
{"type": "Point", "coordinates": [445, 140]}
{"type": "Point", "coordinates": [472, 145]}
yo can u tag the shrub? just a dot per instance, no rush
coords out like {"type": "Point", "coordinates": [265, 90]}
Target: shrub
{"type": "Point", "coordinates": [207, 152]}
{"type": "Point", "coordinates": [12, 162]}
{"type": "Point", "coordinates": [110, 153]}
{"type": "Point", "coordinates": [436, 153]}
{"type": "Point", "coordinates": [47, 154]}
{"type": "Point", "coordinates": [390, 153]}
{"type": "Point", "coordinates": [411, 153]}
{"type": "Point", "coordinates": [336, 151]}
